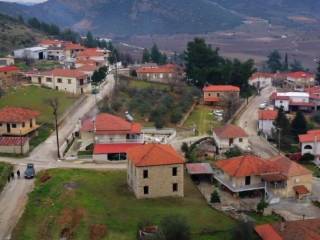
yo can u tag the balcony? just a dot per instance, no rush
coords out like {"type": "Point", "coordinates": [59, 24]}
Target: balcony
{"type": "Point", "coordinates": [232, 187]}
{"type": "Point", "coordinates": [118, 140]}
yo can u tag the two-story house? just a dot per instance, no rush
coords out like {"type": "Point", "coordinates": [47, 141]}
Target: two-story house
{"type": "Point", "coordinates": [8, 76]}
{"type": "Point", "coordinates": [169, 73]}
{"type": "Point", "coordinates": [298, 81]}
{"type": "Point", "coordinates": [310, 143]}
{"type": "Point", "coordinates": [278, 177]}
{"type": "Point", "coordinates": [155, 170]}
{"type": "Point", "coordinates": [68, 80]}
{"type": "Point", "coordinates": [220, 94]}
{"type": "Point", "coordinates": [230, 136]}
{"type": "Point", "coordinates": [16, 126]}
{"type": "Point", "coordinates": [266, 120]}
{"type": "Point", "coordinates": [111, 135]}
{"type": "Point", "coordinates": [261, 80]}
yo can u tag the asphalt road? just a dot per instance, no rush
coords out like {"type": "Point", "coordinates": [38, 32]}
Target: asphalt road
{"type": "Point", "coordinates": [248, 121]}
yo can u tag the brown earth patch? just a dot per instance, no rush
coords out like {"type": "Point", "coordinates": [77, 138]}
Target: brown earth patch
{"type": "Point", "coordinates": [45, 177]}
{"type": "Point", "coordinates": [98, 231]}
{"type": "Point", "coordinates": [69, 220]}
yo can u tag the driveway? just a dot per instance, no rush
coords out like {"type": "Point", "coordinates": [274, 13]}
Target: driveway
{"type": "Point", "coordinates": [249, 120]}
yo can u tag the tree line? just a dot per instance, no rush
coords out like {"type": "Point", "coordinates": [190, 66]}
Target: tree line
{"type": "Point", "coordinates": [154, 55]}
{"type": "Point", "coordinates": [205, 65]}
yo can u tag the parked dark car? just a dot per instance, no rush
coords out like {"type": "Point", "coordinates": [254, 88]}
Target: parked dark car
{"type": "Point", "coordinates": [29, 172]}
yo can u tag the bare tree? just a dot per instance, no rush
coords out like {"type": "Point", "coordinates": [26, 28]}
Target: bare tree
{"type": "Point", "coordinates": [54, 104]}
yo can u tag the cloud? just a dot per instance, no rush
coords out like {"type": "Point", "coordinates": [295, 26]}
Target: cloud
{"type": "Point", "coordinates": [24, 1]}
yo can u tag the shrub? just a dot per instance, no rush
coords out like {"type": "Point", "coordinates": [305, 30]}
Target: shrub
{"type": "Point", "coordinates": [215, 198]}
{"type": "Point", "coordinates": [184, 147]}
{"type": "Point", "coordinates": [261, 206]}
{"type": "Point", "coordinates": [175, 227]}
{"type": "Point", "coordinates": [233, 152]}
{"type": "Point", "coordinates": [308, 157]}
{"type": "Point", "coordinates": [176, 116]}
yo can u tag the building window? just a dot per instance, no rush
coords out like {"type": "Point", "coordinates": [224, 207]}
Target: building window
{"type": "Point", "coordinates": [146, 190]}
{"type": "Point", "coordinates": [0, 124]}
{"type": "Point", "coordinates": [23, 124]}
{"type": "Point", "coordinates": [175, 187]}
{"type": "Point", "coordinates": [31, 125]}
{"type": "Point", "coordinates": [59, 80]}
{"type": "Point", "coordinates": [218, 94]}
{"type": "Point", "coordinates": [14, 125]}
{"type": "Point", "coordinates": [49, 79]}
{"type": "Point", "coordinates": [240, 140]}
{"type": "Point", "coordinates": [145, 173]}
{"type": "Point", "coordinates": [69, 81]}
{"type": "Point", "coordinates": [174, 171]}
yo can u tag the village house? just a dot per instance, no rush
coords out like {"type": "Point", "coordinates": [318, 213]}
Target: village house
{"type": "Point", "coordinates": [169, 73]}
{"type": "Point", "coordinates": [266, 120]}
{"type": "Point", "coordinates": [68, 80]}
{"type": "Point", "coordinates": [230, 136]}
{"type": "Point", "coordinates": [155, 170]}
{"type": "Point", "coordinates": [56, 53]}
{"type": "Point", "coordinates": [6, 61]}
{"type": "Point", "coordinates": [275, 178]}
{"type": "Point", "coordinates": [16, 126]}
{"type": "Point", "coordinates": [261, 80]}
{"type": "Point", "coordinates": [46, 43]}
{"type": "Point", "coordinates": [8, 76]}
{"type": "Point", "coordinates": [99, 56]}
{"type": "Point", "coordinates": [293, 101]}
{"type": "Point", "coordinates": [111, 135]}
{"type": "Point", "coordinates": [35, 53]}
{"type": "Point", "coordinates": [298, 81]}
{"type": "Point", "coordinates": [310, 143]}
{"type": "Point", "coordinates": [220, 94]}
{"type": "Point", "coordinates": [306, 229]}
{"type": "Point", "coordinates": [71, 50]}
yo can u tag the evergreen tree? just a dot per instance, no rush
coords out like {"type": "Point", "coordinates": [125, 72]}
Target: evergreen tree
{"type": "Point", "coordinates": [282, 124]}
{"type": "Point", "coordinates": [286, 63]}
{"type": "Point", "coordinates": [299, 125]}
{"type": "Point", "coordinates": [90, 41]}
{"type": "Point", "coordinates": [318, 73]}
{"type": "Point", "coordinates": [296, 66]}
{"type": "Point", "coordinates": [215, 198]}
{"type": "Point", "coordinates": [274, 61]}
{"type": "Point", "coordinates": [156, 55]}
{"type": "Point", "coordinates": [145, 56]}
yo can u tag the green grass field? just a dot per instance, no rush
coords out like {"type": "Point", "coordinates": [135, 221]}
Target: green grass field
{"type": "Point", "coordinates": [5, 170]}
{"type": "Point", "coordinates": [202, 119]}
{"type": "Point", "coordinates": [79, 199]}
{"type": "Point", "coordinates": [140, 84]}
{"type": "Point", "coordinates": [260, 219]}
{"type": "Point", "coordinates": [34, 97]}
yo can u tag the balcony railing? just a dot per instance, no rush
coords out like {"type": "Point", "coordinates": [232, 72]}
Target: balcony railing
{"type": "Point", "coordinates": [231, 186]}
{"type": "Point", "coordinates": [118, 141]}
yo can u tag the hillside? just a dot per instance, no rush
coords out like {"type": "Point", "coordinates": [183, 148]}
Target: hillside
{"type": "Point", "coordinates": [128, 17]}
{"type": "Point", "coordinates": [15, 34]}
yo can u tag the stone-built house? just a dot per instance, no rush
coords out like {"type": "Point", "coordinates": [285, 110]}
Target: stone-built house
{"type": "Point", "coordinates": [67, 80]}
{"type": "Point", "coordinates": [276, 178]}
{"type": "Point", "coordinates": [169, 73]}
{"type": "Point", "coordinates": [221, 94]}
{"type": "Point", "coordinates": [155, 170]}
{"type": "Point", "coordinates": [8, 76]}
{"type": "Point", "coordinates": [230, 136]}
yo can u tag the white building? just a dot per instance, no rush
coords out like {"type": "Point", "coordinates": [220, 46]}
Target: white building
{"type": "Point", "coordinates": [261, 80]}
{"type": "Point", "coordinates": [230, 136]}
{"type": "Point", "coordinates": [300, 80]}
{"type": "Point", "coordinates": [292, 101]}
{"type": "Point", "coordinates": [310, 143]}
{"type": "Point", "coordinates": [266, 120]}
{"type": "Point", "coordinates": [36, 53]}
{"type": "Point", "coordinates": [68, 80]}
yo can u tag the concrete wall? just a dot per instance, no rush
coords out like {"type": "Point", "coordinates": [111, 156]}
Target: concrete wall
{"type": "Point", "coordinates": [160, 180]}
{"type": "Point", "coordinates": [223, 144]}
{"type": "Point", "coordinates": [15, 149]}
{"type": "Point", "coordinates": [18, 128]}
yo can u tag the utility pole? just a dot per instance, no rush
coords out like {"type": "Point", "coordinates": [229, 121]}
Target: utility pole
{"type": "Point", "coordinates": [279, 140]}
{"type": "Point", "coordinates": [54, 104]}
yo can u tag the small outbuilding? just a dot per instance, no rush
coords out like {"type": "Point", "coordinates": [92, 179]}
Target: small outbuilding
{"type": "Point", "coordinates": [200, 171]}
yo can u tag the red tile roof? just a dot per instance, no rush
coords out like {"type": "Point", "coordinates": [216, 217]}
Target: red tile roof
{"type": "Point", "coordinates": [301, 190]}
{"type": "Point", "coordinates": [154, 155]}
{"type": "Point", "coordinates": [13, 141]}
{"type": "Point", "coordinates": [106, 123]}
{"type": "Point", "coordinates": [288, 167]}
{"type": "Point", "coordinates": [267, 232]}
{"type": "Point", "coordinates": [268, 114]}
{"type": "Point", "coordinates": [221, 88]}
{"type": "Point", "coordinates": [230, 131]}
{"type": "Point", "coordinates": [59, 72]}
{"type": "Point", "coordinates": [9, 69]}
{"type": "Point", "coordinates": [310, 136]}
{"type": "Point", "coordinates": [113, 148]}
{"type": "Point", "coordinates": [73, 46]}
{"type": "Point", "coordinates": [16, 115]}
{"type": "Point", "coordinates": [87, 68]}
{"type": "Point", "coordinates": [91, 52]}
{"type": "Point", "coordinates": [168, 68]}
{"type": "Point", "coordinates": [50, 42]}
{"type": "Point", "coordinates": [199, 168]}
{"type": "Point", "coordinates": [298, 75]}
{"type": "Point", "coordinates": [261, 75]}
{"type": "Point", "coordinates": [242, 166]}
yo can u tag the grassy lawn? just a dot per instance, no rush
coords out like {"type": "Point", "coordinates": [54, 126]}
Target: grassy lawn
{"type": "Point", "coordinates": [140, 84]}
{"type": "Point", "coordinates": [5, 170]}
{"type": "Point", "coordinates": [312, 167]}
{"type": "Point", "coordinates": [260, 219]}
{"type": "Point", "coordinates": [202, 118]}
{"type": "Point", "coordinates": [34, 97]}
{"type": "Point", "coordinates": [79, 199]}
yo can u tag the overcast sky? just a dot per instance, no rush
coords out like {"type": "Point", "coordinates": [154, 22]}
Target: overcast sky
{"type": "Point", "coordinates": [24, 1]}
